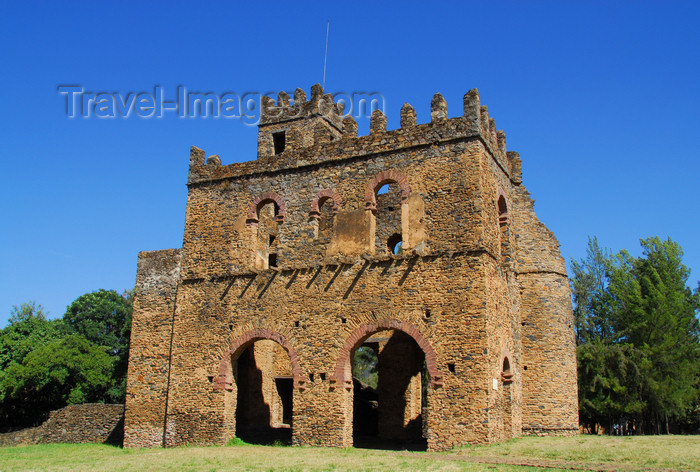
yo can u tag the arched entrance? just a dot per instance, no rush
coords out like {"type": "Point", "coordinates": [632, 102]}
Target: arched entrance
{"type": "Point", "coordinates": [264, 403]}
{"type": "Point", "coordinates": [389, 367]}
{"type": "Point", "coordinates": [261, 371]}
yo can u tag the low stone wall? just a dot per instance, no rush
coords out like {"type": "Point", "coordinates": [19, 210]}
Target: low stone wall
{"type": "Point", "coordinates": [566, 432]}
{"type": "Point", "coordinates": [87, 423]}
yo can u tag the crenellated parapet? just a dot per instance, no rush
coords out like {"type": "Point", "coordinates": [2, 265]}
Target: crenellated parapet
{"type": "Point", "coordinates": [299, 132]}
{"type": "Point", "coordinates": [284, 109]}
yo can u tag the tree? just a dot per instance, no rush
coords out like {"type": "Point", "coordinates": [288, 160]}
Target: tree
{"type": "Point", "coordinates": [65, 371]}
{"type": "Point", "coordinates": [28, 330]}
{"type": "Point", "coordinates": [45, 364]}
{"type": "Point", "coordinates": [638, 336]}
{"type": "Point", "coordinates": [589, 291]}
{"type": "Point", "coordinates": [655, 311]}
{"type": "Point", "coordinates": [26, 311]}
{"type": "Point", "coordinates": [104, 318]}
{"type": "Point", "coordinates": [365, 366]}
{"type": "Point", "coordinates": [608, 375]}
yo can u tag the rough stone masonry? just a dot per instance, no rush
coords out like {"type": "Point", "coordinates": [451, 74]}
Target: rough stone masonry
{"type": "Point", "coordinates": [419, 244]}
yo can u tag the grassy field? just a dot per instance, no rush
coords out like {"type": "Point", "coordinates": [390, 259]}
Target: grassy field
{"type": "Point", "coordinates": [629, 452]}
{"type": "Point", "coordinates": [582, 452]}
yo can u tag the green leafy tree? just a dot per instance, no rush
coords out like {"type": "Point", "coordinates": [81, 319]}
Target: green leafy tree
{"type": "Point", "coordinates": [365, 366]}
{"type": "Point", "coordinates": [104, 318]}
{"type": "Point", "coordinates": [28, 329]}
{"type": "Point", "coordinates": [589, 290]}
{"type": "Point", "coordinates": [655, 311]}
{"type": "Point", "coordinates": [638, 336]}
{"type": "Point", "coordinates": [608, 376]}
{"type": "Point", "coordinates": [65, 371]}
{"type": "Point", "coordinates": [45, 364]}
{"type": "Point", "coordinates": [26, 311]}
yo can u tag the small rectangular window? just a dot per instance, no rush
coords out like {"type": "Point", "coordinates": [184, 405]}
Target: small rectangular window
{"type": "Point", "coordinates": [278, 140]}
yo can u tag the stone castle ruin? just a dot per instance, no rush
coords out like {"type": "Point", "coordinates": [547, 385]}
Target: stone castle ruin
{"type": "Point", "coordinates": [417, 246]}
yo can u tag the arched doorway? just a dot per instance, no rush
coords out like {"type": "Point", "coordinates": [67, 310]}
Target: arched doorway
{"type": "Point", "coordinates": [388, 405]}
{"type": "Point", "coordinates": [265, 391]}
{"type": "Point", "coordinates": [389, 367]}
{"type": "Point", "coordinates": [260, 374]}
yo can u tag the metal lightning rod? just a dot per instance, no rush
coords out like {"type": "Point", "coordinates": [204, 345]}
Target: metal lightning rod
{"type": "Point", "coordinates": [325, 57]}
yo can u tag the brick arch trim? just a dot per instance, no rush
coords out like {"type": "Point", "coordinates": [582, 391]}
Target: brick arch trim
{"type": "Point", "coordinates": [391, 176]}
{"type": "Point", "coordinates": [224, 381]}
{"type": "Point", "coordinates": [343, 366]}
{"type": "Point", "coordinates": [262, 199]}
{"type": "Point", "coordinates": [321, 198]}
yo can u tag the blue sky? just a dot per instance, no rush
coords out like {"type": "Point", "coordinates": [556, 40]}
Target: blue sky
{"type": "Point", "coordinates": [601, 99]}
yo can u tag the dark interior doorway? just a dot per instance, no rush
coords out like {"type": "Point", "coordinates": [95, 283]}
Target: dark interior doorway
{"type": "Point", "coordinates": [389, 388]}
{"type": "Point", "coordinates": [285, 391]}
{"type": "Point", "coordinates": [264, 406]}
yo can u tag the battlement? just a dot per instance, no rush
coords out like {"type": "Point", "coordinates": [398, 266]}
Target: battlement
{"type": "Point", "coordinates": [319, 105]}
{"type": "Point", "coordinates": [305, 132]}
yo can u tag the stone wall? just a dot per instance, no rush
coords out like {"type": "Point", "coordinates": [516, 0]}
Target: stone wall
{"type": "Point", "coordinates": [157, 279]}
{"type": "Point", "coordinates": [549, 377]}
{"type": "Point", "coordinates": [293, 249]}
{"type": "Point", "coordinates": [87, 423]}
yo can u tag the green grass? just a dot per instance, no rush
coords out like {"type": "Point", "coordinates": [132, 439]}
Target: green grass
{"type": "Point", "coordinates": [628, 453]}
{"type": "Point", "coordinates": [96, 457]}
{"type": "Point", "coordinates": [671, 452]}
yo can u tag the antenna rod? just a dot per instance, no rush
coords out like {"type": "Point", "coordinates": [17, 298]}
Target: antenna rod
{"type": "Point", "coordinates": [325, 58]}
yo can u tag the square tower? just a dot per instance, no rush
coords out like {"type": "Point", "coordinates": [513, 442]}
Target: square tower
{"type": "Point", "coordinates": [284, 126]}
{"type": "Point", "coordinates": [417, 249]}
